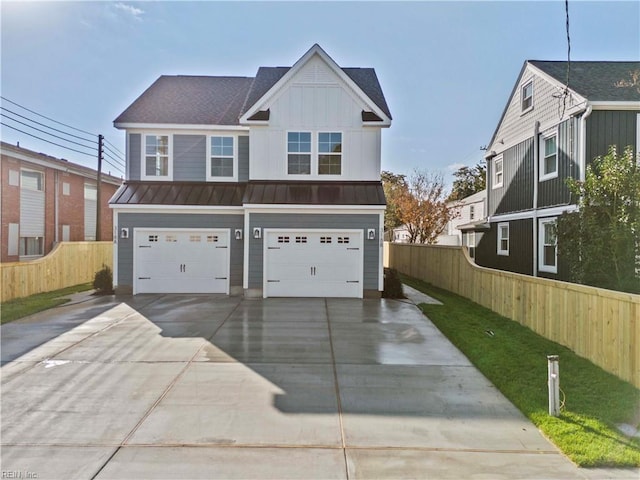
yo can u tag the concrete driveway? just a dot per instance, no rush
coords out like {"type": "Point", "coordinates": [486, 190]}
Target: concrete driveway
{"type": "Point", "coordinates": [170, 386]}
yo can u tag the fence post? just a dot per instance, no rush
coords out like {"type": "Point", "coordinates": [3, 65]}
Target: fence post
{"type": "Point", "coordinates": [553, 381]}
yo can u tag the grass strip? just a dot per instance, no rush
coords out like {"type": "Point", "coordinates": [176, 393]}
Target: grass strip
{"type": "Point", "coordinates": [513, 358]}
{"type": "Point", "coordinates": [21, 307]}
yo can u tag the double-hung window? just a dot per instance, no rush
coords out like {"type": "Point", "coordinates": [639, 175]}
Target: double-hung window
{"type": "Point", "coordinates": [31, 246]}
{"type": "Point", "coordinates": [222, 158]}
{"type": "Point", "coordinates": [498, 175]}
{"type": "Point", "coordinates": [548, 156]}
{"type": "Point", "coordinates": [157, 158]}
{"type": "Point", "coordinates": [503, 239]}
{"type": "Point", "coordinates": [330, 153]}
{"type": "Point", "coordinates": [547, 246]}
{"type": "Point", "coordinates": [299, 153]}
{"type": "Point", "coordinates": [526, 96]}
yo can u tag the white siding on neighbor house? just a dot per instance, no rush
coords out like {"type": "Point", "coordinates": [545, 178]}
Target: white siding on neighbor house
{"type": "Point", "coordinates": [452, 235]}
{"type": "Point", "coordinates": [31, 213]}
{"type": "Point", "coordinates": [315, 100]}
{"type": "Point", "coordinates": [90, 205]}
{"type": "Point", "coordinates": [516, 126]}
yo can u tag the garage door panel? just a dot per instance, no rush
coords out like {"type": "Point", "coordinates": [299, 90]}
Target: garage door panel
{"type": "Point", "coordinates": [313, 264]}
{"type": "Point", "coordinates": [181, 261]}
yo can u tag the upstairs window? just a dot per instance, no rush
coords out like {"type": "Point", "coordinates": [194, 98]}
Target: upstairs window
{"type": "Point", "coordinates": [472, 212]}
{"type": "Point", "coordinates": [156, 157]}
{"type": "Point", "coordinates": [32, 180]}
{"type": "Point", "coordinates": [497, 172]}
{"type": "Point", "coordinates": [503, 239]}
{"type": "Point", "coordinates": [548, 156]}
{"type": "Point", "coordinates": [527, 96]}
{"type": "Point", "coordinates": [299, 153]}
{"type": "Point", "coordinates": [330, 153]}
{"type": "Point", "coordinates": [221, 158]}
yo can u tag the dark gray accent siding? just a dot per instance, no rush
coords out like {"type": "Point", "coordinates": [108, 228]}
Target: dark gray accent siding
{"type": "Point", "coordinates": [190, 158]}
{"type": "Point", "coordinates": [520, 258]}
{"type": "Point", "coordinates": [320, 221]}
{"type": "Point", "coordinates": [133, 156]}
{"type": "Point", "coordinates": [516, 194]}
{"type": "Point", "coordinates": [177, 220]}
{"type": "Point", "coordinates": [243, 158]}
{"type": "Point", "coordinates": [554, 192]}
{"type": "Point", "coordinates": [606, 128]}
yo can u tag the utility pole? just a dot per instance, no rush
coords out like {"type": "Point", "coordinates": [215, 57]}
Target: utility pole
{"type": "Point", "coordinates": [99, 181]}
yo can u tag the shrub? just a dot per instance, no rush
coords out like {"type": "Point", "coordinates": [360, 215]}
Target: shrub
{"type": "Point", "coordinates": [392, 284]}
{"type": "Point", "coordinates": [103, 280]}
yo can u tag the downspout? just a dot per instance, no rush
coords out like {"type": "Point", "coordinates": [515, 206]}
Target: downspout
{"type": "Point", "coordinates": [583, 141]}
{"type": "Point", "coordinates": [536, 153]}
{"type": "Point", "coordinates": [55, 208]}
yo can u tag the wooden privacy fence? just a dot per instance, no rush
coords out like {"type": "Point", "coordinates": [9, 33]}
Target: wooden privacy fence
{"type": "Point", "coordinates": [68, 264]}
{"type": "Point", "coordinates": [600, 325]}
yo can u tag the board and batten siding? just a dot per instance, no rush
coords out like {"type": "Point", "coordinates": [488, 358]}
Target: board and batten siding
{"type": "Point", "coordinates": [316, 100]}
{"type": "Point", "coordinates": [606, 128]}
{"type": "Point", "coordinates": [520, 258]}
{"type": "Point", "coordinates": [134, 152]}
{"type": "Point", "coordinates": [554, 191]}
{"type": "Point", "coordinates": [190, 158]}
{"type": "Point", "coordinates": [319, 221]}
{"type": "Point", "coordinates": [177, 220]}
{"type": "Point", "coordinates": [516, 193]}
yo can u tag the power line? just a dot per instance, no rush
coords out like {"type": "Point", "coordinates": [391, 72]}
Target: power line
{"type": "Point", "coordinates": [119, 162]}
{"type": "Point", "coordinates": [48, 141]}
{"type": "Point", "coordinates": [115, 148]}
{"type": "Point", "coordinates": [43, 116]}
{"type": "Point", "coordinates": [118, 156]}
{"type": "Point", "coordinates": [119, 169]}
{"type": "Point", "coordinates": [47, 133]}
{"type": "Point", "coordinates": [47, 126]}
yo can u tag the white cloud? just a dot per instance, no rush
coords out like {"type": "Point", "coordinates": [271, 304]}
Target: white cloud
{"type": "Point", "coordinates": [454, 167]}
{"type": "Point", "coordinates": [136, 12]}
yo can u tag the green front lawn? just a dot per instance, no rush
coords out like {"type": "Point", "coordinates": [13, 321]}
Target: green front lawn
{"type": "Point", "coordinates": [514, 358]}
{"type": "Point", "coordinates": [21, 307]}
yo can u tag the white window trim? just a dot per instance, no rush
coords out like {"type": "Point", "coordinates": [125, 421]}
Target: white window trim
{"type": "Point", "coordinates": [143, 157]}
{"type": "Point", "coordinates": [541, 151]}
{"type": "Point", "coordinates": [234, 177]}
{"type": "Point", "coordinates": [35, 171]}
{"type": "Point", "coordinates": [329, 175]}
{"type": "Point", "coordinates": [315, 161]}
{"type": "Point", "coordinates": [494, 183]}
{"type": "Point", "coordinates": [500, 251]}
{"type": "Point", "coordinates": [541, 266]}
{"type": "Point", "coordinates": [524, 85]}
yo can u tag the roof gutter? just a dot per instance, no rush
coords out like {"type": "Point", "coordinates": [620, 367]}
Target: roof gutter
{"type": "Point", "coordinates": [583, 141]}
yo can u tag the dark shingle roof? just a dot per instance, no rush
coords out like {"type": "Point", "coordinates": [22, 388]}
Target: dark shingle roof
{"type": "Point", "coordinates": [222, 100]}
{"type": "Point", "coordinates": [189, 100]}
{"type": "Point", "coordinates": [597, 81]}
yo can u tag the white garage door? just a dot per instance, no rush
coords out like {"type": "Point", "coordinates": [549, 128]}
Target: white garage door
{"type": "Point", "coordinates": [313, 263]}
{"type": "Point", "coordinates": [181, 261]}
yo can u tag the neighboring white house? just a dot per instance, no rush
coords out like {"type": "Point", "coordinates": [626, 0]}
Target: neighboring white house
{"type": "Point", "coordinates": [470, 210]}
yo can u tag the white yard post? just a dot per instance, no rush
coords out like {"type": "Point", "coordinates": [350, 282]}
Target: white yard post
{"type": "Point", "coordinates": [554, 385]}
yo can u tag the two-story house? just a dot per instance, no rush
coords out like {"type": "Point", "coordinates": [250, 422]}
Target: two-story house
{"type": "Point", "coordinates": [550, 131]}
{"type": "Point", "coordinates": [267, 186]}
{"type": "Point", "coordinates": [47, 200]}
{"type": "Point", "coordinates": [470, 214]}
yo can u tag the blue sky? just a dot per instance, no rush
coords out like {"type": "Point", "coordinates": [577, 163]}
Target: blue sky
{"type": "Point", "coordinates": [447, 68]}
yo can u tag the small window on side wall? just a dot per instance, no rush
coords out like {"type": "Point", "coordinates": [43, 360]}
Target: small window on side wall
{"type": "Point", "coordinates": [527, 96]}
{"type": "Point", "coordinates": [548, 156]}
{"type": "Point", "coordinates": [498, 175]}
{"type": "Point", "coordinates": [547, 246]}
{"type": "Point", "coordinates": [503, 239]}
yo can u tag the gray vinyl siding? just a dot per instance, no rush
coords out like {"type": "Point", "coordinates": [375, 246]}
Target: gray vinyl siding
{"type": "Point", "coordinates": [516, 193]}
{"type": "Point", "coordinates": [177, 220]}
{"type": "Point", "coordinates": [320, 221]}
{"type": "Point", "coordinates": [554, 192]}
{"type": "Point", "coordinates": [520, 258]}
{"type": "Point", "coordinates": [133, 155]}
{"type": "Point", "coordinates": [606, 128]}
{"type": "Point", "coordinates": [190, 158]}
{"type": "Point", "coordinates": [31, 213]}
{"type": "Point", "coordinates": [243, 158]}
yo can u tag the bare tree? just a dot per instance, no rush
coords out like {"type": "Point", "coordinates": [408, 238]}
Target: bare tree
{"type": "Point", "coordinates": [422, 207]}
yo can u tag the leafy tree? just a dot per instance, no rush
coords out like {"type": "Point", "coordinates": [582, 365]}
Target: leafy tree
{"type": "Point", "coordinates": [422, 207]}
{"type": "Point", "coordinates": [393, 185]}
{"type": "Point", "coordinates": [469, 180]}
{"type": "Point", "coordinates": [601, 241]}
